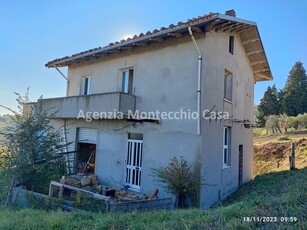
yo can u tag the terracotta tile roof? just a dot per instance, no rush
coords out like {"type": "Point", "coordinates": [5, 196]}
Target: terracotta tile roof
{"type": "Point", "coordinates": [135, 37]}
{"type": "Point", "coordinates": [247, 31]}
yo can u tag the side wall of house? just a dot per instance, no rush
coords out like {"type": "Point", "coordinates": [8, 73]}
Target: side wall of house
{"type": "Point", "coordinates": [172, 87]}
{"type": "Point", "coordinates": [217, 59]}
{"type": "Point", "coordinates": [165, 79]}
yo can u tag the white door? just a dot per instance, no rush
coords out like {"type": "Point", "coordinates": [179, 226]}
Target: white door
{"type": "Point", "coordinates": [134, 163]}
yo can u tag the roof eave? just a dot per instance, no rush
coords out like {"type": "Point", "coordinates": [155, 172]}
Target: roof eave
{"type": "Point", "coordinates": [261, 73]}
{"type": "Point", "coordinates": [183, 28]}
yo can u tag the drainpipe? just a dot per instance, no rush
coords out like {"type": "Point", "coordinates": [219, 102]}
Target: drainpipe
{"type": "Point", "coordinates": [198, 80]}
{"type": "Point", "coordinates": [67, 86]}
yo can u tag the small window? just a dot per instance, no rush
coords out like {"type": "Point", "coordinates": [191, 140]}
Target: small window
{"type": "Point", "coordinates": [127, 81]}
{"type": "Point", "coordinates": [86, 86]}
{"type": "Point", "coordinates": [227, 147]}
{"type": "Point", "coordinates": [231, 44]}
{"type": "Point", "coordinates": [228, 85]}
{"type": "Point", "coordinates": [135, 136]}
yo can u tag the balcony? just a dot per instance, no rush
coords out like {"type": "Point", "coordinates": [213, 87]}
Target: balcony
{"type": "Point", "coordinates": [70, 107]}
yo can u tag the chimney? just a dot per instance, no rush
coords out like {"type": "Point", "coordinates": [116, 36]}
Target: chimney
{"type": "Point", "coordinates": [231, 13]}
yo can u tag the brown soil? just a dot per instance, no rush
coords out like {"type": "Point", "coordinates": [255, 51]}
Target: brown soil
{"type": "Point", "coordinates": [274, 156]}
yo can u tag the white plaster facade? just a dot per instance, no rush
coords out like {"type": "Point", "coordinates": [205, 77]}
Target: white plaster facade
{"type": "Point", "coordinates": [165, 79]}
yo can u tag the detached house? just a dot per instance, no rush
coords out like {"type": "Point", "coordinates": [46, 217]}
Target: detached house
{"type": "Point", "coordinates": [206, 66]}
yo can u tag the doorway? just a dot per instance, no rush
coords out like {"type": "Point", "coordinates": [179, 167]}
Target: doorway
{"type": "Point", "coordinates": [86, 158]}
{"type": "Point", "coordinates": [240, 182]}
{"type": "Point", "coordinates": [86, 150]}
{"type": "Point", "coordinates": [134, 161]}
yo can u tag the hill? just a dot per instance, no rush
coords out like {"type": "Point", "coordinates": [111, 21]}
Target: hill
{"type": "Point", "coordinates": [271, 153]}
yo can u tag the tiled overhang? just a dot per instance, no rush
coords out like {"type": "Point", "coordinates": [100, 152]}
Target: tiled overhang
{"type": "Point", "coordinates": [247, 31]}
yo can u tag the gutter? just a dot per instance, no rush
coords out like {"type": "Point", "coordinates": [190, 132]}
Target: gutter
{"type": "Point", "coordinates": [67, 86]}
{"type": "Point", "coordinates": [198, 81]}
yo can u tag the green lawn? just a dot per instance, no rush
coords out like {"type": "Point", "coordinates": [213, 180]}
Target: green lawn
{"type": "Point", "coordinates": [282, 194]}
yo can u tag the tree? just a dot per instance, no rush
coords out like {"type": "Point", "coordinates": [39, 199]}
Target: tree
{"type": "Point", "coordinates": [270, 104]}
{"type": "Point", "coordinates": [293, 122]}
{"type": "Point", "coordinates": [33, 148]}
{"type": "Point", "coordinates": [272, 124]}
{"type": "Point", "coordinates": [260, 120]}
{"type": "Point", "coordinates": [302, 120]}
{"type": "Point", "coordinates": [295, 91]}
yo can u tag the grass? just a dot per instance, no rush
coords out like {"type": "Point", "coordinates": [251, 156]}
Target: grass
{"type": "Point", "coordinates": [281, 194]}
{"type": "Point", "coordinates": [274, 156]}
{"type": "Point", "coordinates": [263, 138]}
{"type": "Point", "coordinates": [259, 132]}
{"type": "Point", "coordinates": [283, 138]}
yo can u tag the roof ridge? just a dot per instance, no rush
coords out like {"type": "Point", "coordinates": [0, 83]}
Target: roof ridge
{"type": "Point", "coordinates": [141, 35]}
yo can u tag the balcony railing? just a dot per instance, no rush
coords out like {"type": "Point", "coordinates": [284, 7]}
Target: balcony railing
{"type": "Point", "coordinates": [72, 107]}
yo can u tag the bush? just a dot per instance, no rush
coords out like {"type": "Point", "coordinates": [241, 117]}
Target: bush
{"type": "Point", "coordinates": [179, 179]}
{"type": "Point", "coordinates": [259, 132]}
{"type": "Point", "coordinates": [33, 148]}
{"type": "Point", "coordinates": [283, 138]}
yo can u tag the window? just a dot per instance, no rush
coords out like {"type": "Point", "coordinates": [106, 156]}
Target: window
{"type": "Point", "coordinates": [231, 44]}
{"type": "Point", "coordinates": [227, 147]}
{"type": "Point", "coordinates": [127, 82]}
{"type": "Point", "coordinates": [228, 85]}
{"type": "Point", "coordinates": [134, 161]}
{"type": "Point", "coordinates": [86, 86]}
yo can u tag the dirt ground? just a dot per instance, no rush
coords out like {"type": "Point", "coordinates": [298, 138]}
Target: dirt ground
{"type": "Point", "coordinates": [272, 156]}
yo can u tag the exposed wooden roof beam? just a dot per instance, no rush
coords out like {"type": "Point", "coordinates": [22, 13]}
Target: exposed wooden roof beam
{"type": "Point", "coordinates": [254, 52]}
{"type": "Point", "coordinates": [157, 39]}
{"type": "Point", "coordinates": [263, 76]}
{"type": "Point", "coordinates": [113, 51]}
{"type": "Point", "coordinates": [250, 27]}
{"type": "Point", "coordinates": [258, 62]}
{"type": "Point", "coordinates": [123, 48]}
{"type": "Point", "coordinates": [177, 35]}
{"type": "Point", "coordinates": [244, 29]}
{"type": "Point", "coordinates": [233, 25]}
{"type": "Point", "coordinates": [237, 28]}
{"type": "Point", "coordinates": [260, 71]}
{"type": "Point", "coordinates": [223, 24]}
{"type": "Point", "coordinates": [250, 41]}
{"type": "Point", "coordinates": [197, 29]}
{"type": "Point", "coordinates": [213, 24]}
{"type": "Point", "coordinates": [140, 44]}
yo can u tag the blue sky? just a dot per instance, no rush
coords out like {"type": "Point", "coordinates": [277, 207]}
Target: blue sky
{"type": "Point", "coordinates": [35, 32]}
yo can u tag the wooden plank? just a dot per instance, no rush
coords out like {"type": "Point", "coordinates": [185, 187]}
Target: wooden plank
{"type": "Point", "coordinates": [156, 39]}
{"type": "Point", "coordinates": [292, 157]}
{"type": "Point", "coordinates": [250, 41]}
{"type": "Point", "coordinates": [226, 26]}
{"type": "Point", "coordinates": [260, 70]}
{"type": "Point", "coordinates": [258, 62]}
{"type": "Point", "coordinates": [197, 29]}
{"type": "Point", "coordinates": [254, 52]}
{"type": "Point", "coordinates": [140, 44]}
{"type": "Point", "coordinates": [177, 35]}
{"type": "Point", "coordinates": [50, 190]}
{"type": "Point", "coordinates": [95, 195]}
{"type": "Point", "coordinates": [148, 205]}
